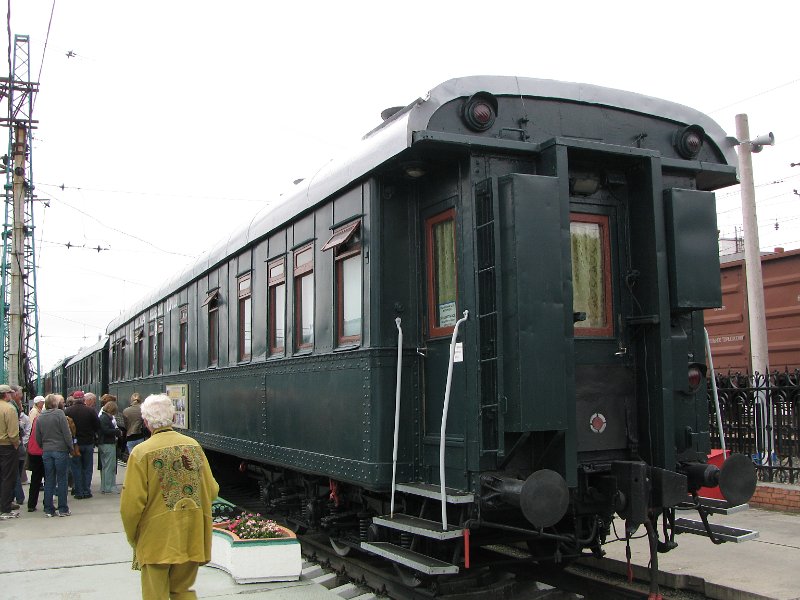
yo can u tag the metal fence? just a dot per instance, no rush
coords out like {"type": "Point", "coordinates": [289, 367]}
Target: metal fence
{"type": "Point", "coordinates": [761, 418]}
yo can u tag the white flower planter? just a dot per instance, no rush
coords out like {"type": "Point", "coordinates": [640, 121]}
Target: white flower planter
{"type": "Point", "coordinates": [256, 561]}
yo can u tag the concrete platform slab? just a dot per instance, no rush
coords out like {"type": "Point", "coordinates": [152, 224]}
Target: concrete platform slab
{"type": "Point", "coordinates": [86, 557]}
{"type": "Point", "coordinates": [761, 568]}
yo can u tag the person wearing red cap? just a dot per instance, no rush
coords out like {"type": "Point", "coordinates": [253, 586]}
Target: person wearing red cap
{"type": "Point", "coordinates": [86, 427]}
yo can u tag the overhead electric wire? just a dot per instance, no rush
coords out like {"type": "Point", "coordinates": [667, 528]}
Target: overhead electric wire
{"type": "Point", "coordinates": [10, 68]}
{"type": "Point", "coordinates": [51, 314]}
{"type": "Point", "coordinates": [138, 283]}
{"type": "Point", "coordinates": [758, 185]}
{"type": "Point", "coordinates": [761, 203]}
{"type": "Point", "coordinates": [130, 235]}
{"type": "Point", "coordinates": [70, 246]}
{"type": "Point", "coordinates": [135, 193]}
{"type": "Point", "coordinates": [44, 50]}
{"type": "Point", "coordinates": [777, 87]}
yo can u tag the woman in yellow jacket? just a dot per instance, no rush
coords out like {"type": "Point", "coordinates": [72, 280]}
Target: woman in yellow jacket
{"type": "Point", "coordinates": [166, 506]}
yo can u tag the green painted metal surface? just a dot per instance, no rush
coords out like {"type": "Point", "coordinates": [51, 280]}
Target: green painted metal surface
{"type": "Point", "coordinates": [535, 305]}
{"type": "Point", "coordinates": [691, 220]}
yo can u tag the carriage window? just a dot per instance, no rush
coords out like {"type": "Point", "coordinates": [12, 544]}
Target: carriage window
{"type": "Point", "coordinates": [276, 281]}
{"type": "Point", "coordinates": [114, 376]}
{"type": "Point", "coordinates": [183, 337]}
{"type": "Point", "coordinates": [245, 317]}
{"type": "Point", "coordinates": [120, 360]}
{"type": "Point", "coordinates": [160, 346]}
{"type": "Point", "coordinates": [304, 297]}
{"type": "Point", "coordinates": [441, 266]}
{"type": "Point", "coordinates": [151, 348]}
{"type": "Point", "coordinates": [212, 305]}
{"type": "Point", "coordinates": [346, 246]}
{"type": "Point", "coordinates": [591, 274]}
{"type": "Point", "coordinates": [138, 352]}
{"type": "Point", "coordinates": [348, 281]}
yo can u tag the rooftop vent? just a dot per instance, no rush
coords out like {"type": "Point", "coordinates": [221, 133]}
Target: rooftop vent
{"type": "Point", "coordinates": [388, 113]}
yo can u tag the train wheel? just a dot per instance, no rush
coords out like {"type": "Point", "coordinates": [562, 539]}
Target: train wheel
{"type": "Point", "coordinates": [409, 578]}
{"type": "Point", "coordinates": [340, 549]}
{"type": "Point", "coordinates": [547, 552]}
{"type": "Point", "coordinates": [264, 492]}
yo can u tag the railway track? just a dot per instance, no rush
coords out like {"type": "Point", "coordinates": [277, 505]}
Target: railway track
{"type": "Point", "coordinates": [362, 576]}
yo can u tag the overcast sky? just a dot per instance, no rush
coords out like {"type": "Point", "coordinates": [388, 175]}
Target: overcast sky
{"type": "Point", "coordinates": [176, 120]}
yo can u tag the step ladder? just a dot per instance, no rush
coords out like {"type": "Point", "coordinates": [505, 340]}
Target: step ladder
{"type": "Point", "coordinates": [719, 507]}
{"type": "Point", "coordinates": [422, 527]}
{"type": "Point", "coordinates": [721, 532]}
{"type": "Point", "coordinates": [430, 490]}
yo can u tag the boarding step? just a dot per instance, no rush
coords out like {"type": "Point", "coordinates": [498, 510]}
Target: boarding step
{"type": "Point", "coordinates": [719, 507]}
{"type": "Point", "coordinates": [409, 558]}
{"type": "Point", "coordinates": [431, 490]}
{"type": "Point", "coordinates": [721, 532]}
{"type": "Point", "coordinates": [510, 551]}
{"type": "Point", "coordinates": [417, 526]}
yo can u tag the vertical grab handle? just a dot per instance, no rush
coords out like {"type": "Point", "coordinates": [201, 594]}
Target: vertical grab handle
{"type": "Point", "coordinates": [444, 417]}
{"type": "Point", "coordinates": [397, 407]}
{"type": "Point", "coordinates": [715, 395]}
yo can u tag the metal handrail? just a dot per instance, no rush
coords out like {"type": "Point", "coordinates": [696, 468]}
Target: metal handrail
{"type": "Point", "coordinates": [444, 417]}
{"type": "Point", "coordinates": [396, 408]}
{"type": "Point", "coordinates": [715, 395]}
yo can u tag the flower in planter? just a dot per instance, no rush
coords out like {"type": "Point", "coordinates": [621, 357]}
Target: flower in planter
{"type": "Point", "coordinates": [250, 526]}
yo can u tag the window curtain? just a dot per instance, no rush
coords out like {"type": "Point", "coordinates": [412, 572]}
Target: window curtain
{"type": "Point", "coordinates": [587, 274]}
{"type": "Point", "coordinates": [444, 248]}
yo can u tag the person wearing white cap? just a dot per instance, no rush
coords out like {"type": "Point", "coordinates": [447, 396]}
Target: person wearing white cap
{"type": "Point", "coordinates": [38, 405]}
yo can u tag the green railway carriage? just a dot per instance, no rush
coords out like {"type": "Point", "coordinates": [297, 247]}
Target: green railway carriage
{"type": "Point", "coordinates": [88, 370]}
{"type": "Point", "coordinates": [543, 249]}
{"type": "Point", "coordinates": [55, 380]}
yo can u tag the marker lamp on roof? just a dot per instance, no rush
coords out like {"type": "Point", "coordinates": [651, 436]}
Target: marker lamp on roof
{"type": "Point", "coordinates": [689, 141]}
{"type": "Point", "coordinates": [480, 111]}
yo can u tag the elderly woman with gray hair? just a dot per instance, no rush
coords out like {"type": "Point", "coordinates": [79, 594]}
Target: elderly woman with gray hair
{"type": "Point", "coordinates": [166, 505]}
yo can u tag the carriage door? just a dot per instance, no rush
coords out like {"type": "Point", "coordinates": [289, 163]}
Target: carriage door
{"type": "Point", "coordinates": [442, 309]}
{"type": "Point", "coordinates": [604, 377]}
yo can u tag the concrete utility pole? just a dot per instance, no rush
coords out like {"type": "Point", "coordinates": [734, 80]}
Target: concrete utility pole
{"type": "Point", "coordinates": [16, 301]}
{"type": "Point", "coordinates": [759, 353]}
{"type": "Point", "coordinates": [19, 320]}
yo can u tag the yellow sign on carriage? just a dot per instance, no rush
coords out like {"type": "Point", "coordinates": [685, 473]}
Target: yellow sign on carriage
{"type": "Point", "coordinates": [179, 394]}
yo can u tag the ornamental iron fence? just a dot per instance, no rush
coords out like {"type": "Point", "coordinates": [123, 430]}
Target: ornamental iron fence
{"type": "Point", "coordinates": [760, 418]}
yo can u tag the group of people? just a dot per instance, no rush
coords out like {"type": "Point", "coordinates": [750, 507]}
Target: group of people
{"type": "Point", "coordinates": [61, 447]}
{"type": "Point", "coordinates": [165, 503]}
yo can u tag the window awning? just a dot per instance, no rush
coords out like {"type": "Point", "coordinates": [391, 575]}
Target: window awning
{"type": "Point", "coordinates": [212, 295]}
{"type": "Point", "coordinates": [342, 236]}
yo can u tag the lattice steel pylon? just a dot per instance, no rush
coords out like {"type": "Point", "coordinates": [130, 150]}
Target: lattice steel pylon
{"type": "Point", "coordinates": [19, 317]}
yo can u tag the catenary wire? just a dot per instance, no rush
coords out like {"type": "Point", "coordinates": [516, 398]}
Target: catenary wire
{"type": "Point", "coordinates": [125, 233]}
{"type": "Point", "coordinates": [135, 193]}
{"type": "Point", "coordinates": [777, 87]}
{"type": "Point", "coordinates": [44, 50]}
